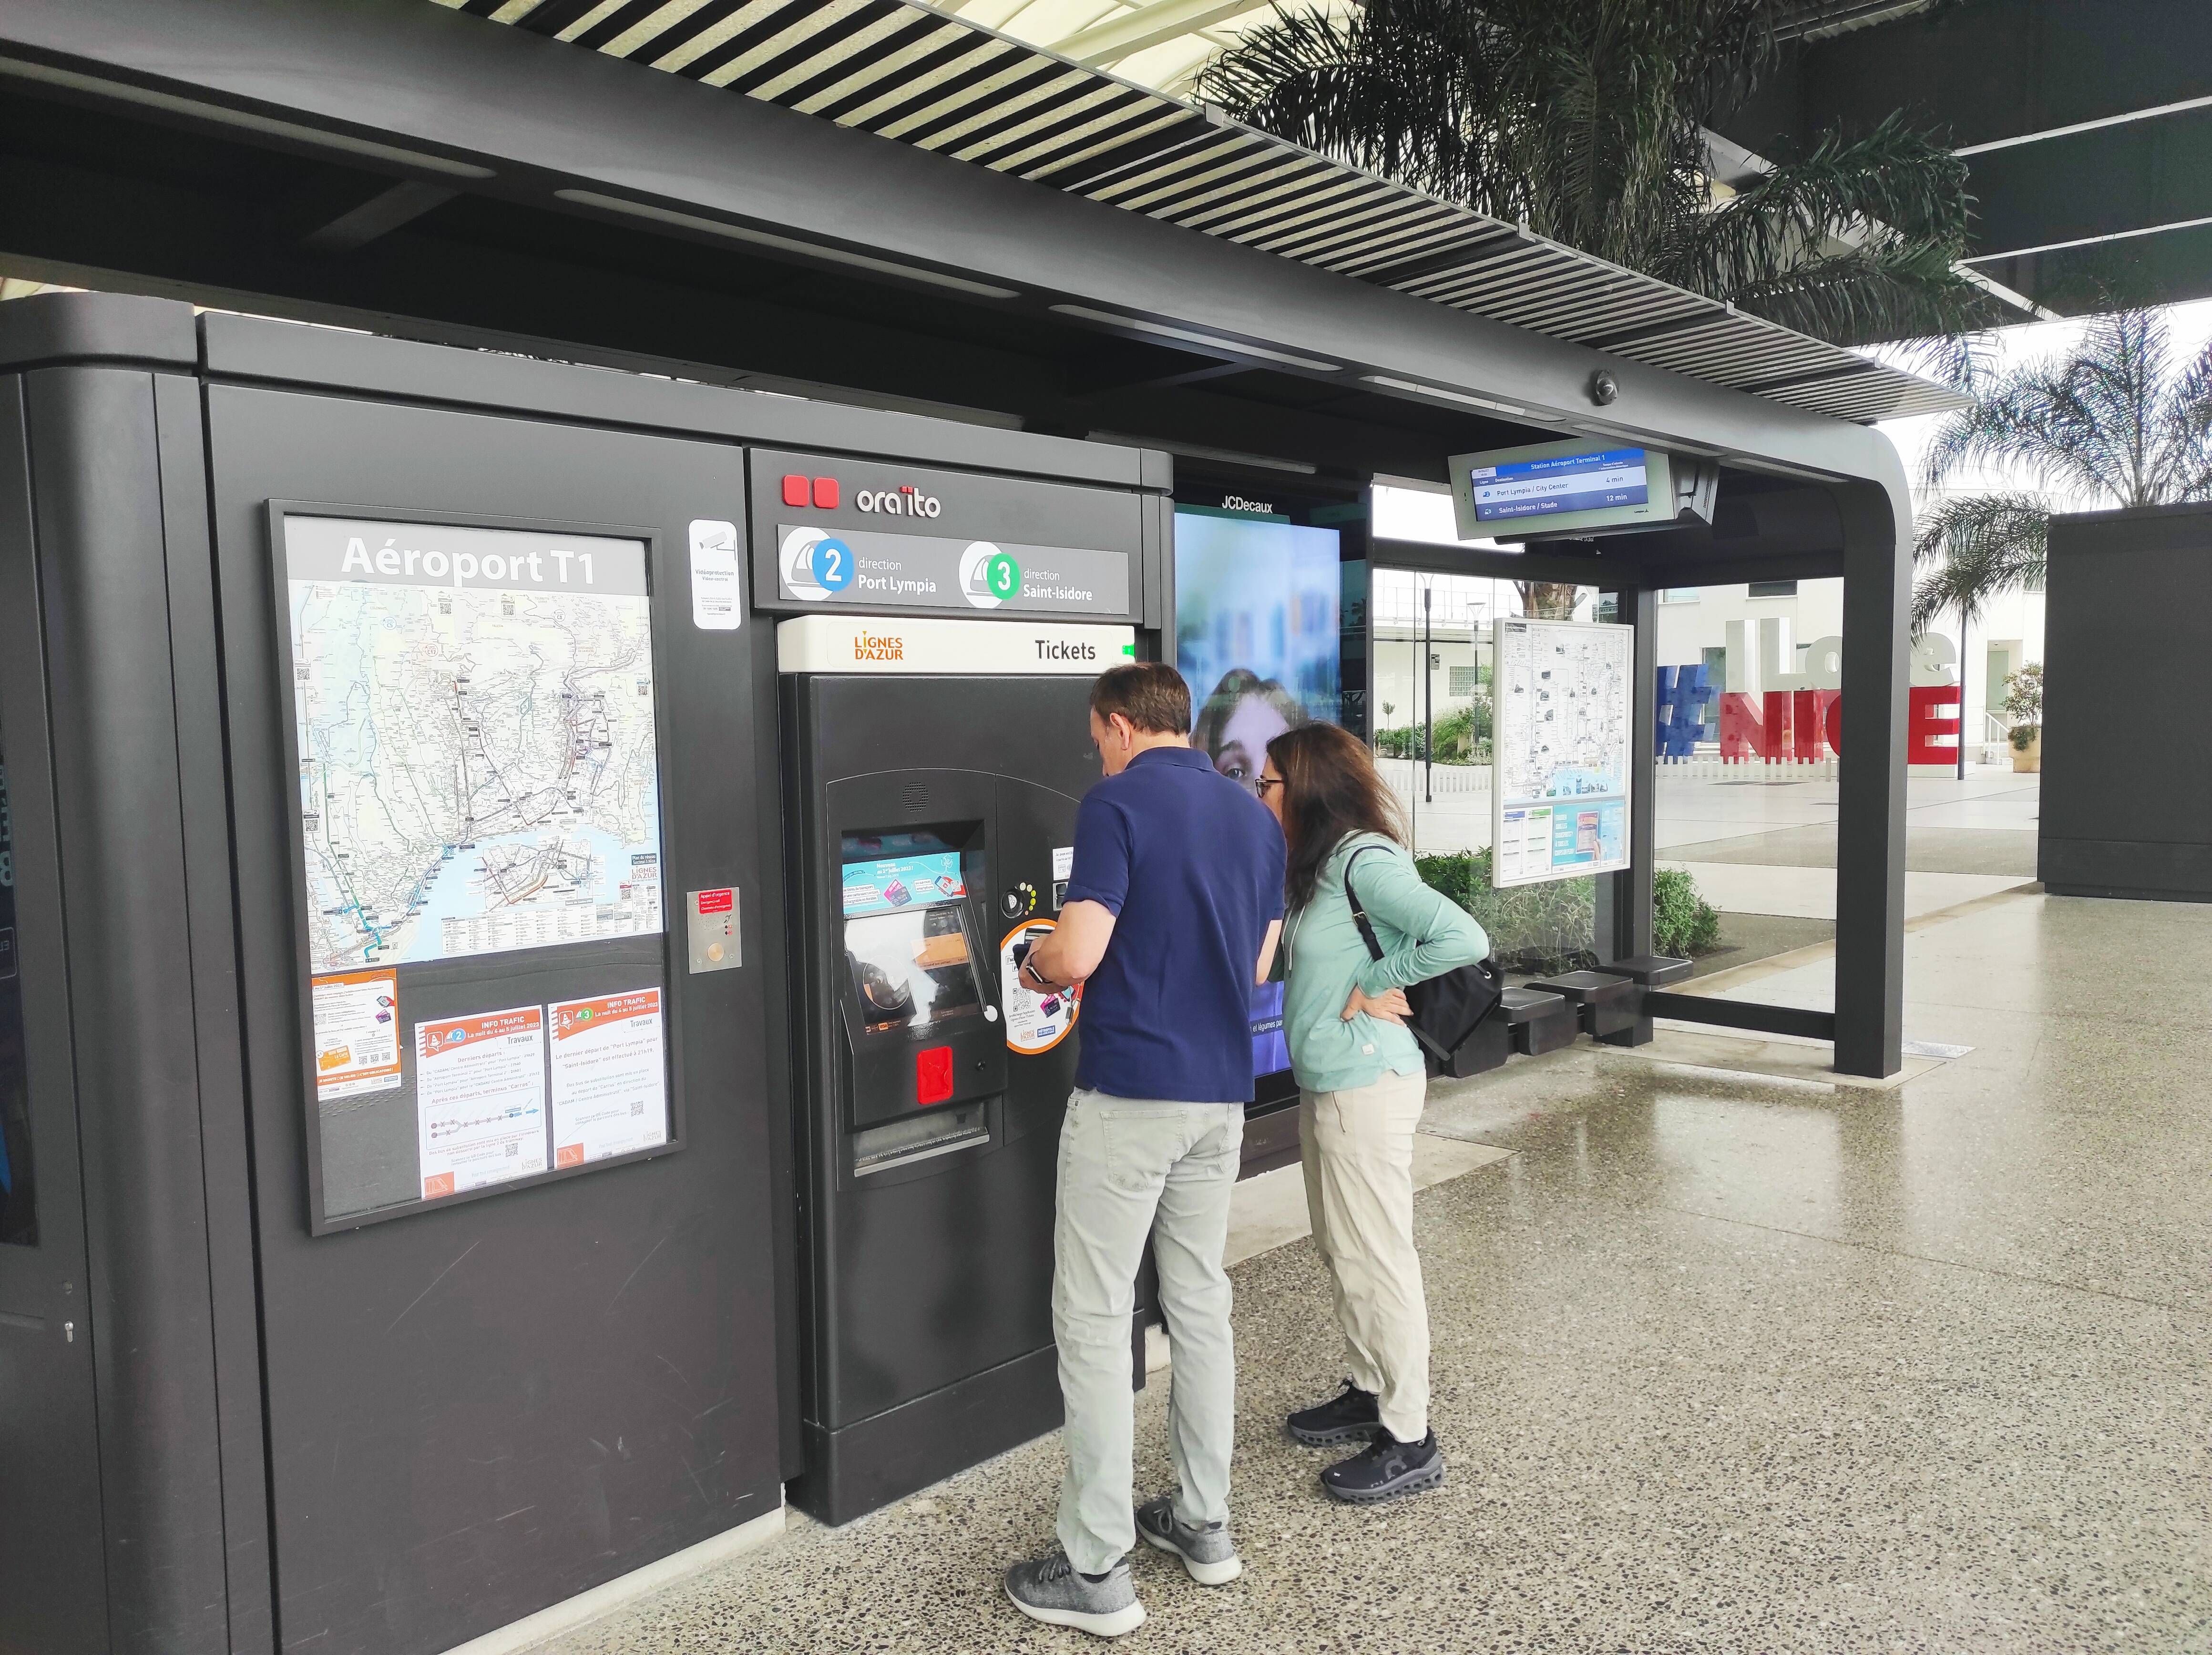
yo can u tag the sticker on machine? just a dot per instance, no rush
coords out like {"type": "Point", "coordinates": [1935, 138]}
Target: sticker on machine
{"type": "Point", "coordinates": [717, 590]}
{"type": "Point", "coordinates": [610, 1076]}
{"type": "Point", "coordinates": [480, 1100]}
{"type": "Point", "coordinates": [1035, 1022]}
{"type": "Point", "coordinates": [356, 1032]}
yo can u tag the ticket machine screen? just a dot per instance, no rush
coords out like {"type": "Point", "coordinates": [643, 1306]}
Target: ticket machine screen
{"type": "Point", "coordinates": [906, 933]}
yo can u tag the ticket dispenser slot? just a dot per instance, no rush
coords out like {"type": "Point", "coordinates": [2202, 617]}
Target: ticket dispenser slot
{"type": "Point", "coordinates": [921, 1025]}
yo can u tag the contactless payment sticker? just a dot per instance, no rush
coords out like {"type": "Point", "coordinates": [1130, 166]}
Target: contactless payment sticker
{"type": "Point", "coordinates": [1035, 1022]}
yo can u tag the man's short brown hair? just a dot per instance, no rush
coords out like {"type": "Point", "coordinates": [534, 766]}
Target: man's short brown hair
{"type": "Point", "coordinates": [1150, 695]}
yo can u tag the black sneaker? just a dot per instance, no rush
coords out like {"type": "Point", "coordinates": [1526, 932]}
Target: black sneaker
{"type": "Point", "coordinates": [1386, 1469]}
{"type": "Point", "coordinates": [1350, 1413]}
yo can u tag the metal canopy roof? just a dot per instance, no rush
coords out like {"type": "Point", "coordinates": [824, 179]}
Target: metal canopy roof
{"type": "Point", "coordinates": [910, 73]}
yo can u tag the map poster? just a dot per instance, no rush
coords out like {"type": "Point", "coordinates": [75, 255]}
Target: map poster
{"type": "Point", "coordinates": [480, 1100]}
{"type": "Point", "coordinates": [356, 1033]}
{"type": "Point", "coordinates": [473, 712]}
{"type": "Point", "coordinates": [610, 1076]}
{"type": "Point", "coordinates": [1035, 1022]}
{"type": "Point", "coordinates": [1564, 745]}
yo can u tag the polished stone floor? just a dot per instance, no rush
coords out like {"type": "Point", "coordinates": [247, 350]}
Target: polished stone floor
{"type": "Point", "coordinates": [1724, 1362]}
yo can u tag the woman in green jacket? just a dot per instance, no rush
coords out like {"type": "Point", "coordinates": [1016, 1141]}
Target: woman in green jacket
{"type": "Point", "coordinates": [1362, 1082]}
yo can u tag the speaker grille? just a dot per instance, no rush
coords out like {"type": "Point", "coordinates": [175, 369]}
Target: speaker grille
{"type": "Point", "coordinates": [916, 798]}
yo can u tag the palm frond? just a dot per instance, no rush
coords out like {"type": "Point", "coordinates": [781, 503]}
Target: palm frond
{"type": "Point", "coordinates": [1976, 548]}
{"type": "Point", "coordinates": [1587, 120]}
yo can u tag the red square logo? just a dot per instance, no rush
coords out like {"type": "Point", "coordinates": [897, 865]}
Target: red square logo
{"type": "Point", "coordinates": [794, 490]}
{"type": "Point", "coordinates": [825, 494]}
{"type": "Point", "coordinates": [933, 1074]}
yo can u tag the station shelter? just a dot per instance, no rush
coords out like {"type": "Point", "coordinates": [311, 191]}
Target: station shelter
{"type": "Point", "coordinates": [546, 601]}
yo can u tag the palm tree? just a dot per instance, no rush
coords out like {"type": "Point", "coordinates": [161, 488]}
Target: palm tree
{"type": "Point", "coordinates": [1587, 121]}
{"type": "Point", "coordinates": [2116, 421]}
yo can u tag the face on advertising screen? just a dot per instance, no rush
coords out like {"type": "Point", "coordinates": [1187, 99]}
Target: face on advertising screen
{"type": "Point", "coordinates": [1256, 641]}
{"type": "Point", "coordinates": [1255, 633]}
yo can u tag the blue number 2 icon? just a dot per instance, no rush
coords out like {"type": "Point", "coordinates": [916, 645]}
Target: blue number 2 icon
{"type": "Point", "coordinates": [833, 565]}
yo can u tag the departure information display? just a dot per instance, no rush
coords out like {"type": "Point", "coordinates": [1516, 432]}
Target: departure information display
{"type": "Point", "coordinates": [1595, 482]}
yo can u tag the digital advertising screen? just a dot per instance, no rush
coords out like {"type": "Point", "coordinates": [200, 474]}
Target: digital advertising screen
{"type": "Point", "coordinates": [1256, 639]}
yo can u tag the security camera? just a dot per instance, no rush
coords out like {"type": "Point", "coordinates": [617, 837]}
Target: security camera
{"type": "Point", "coordinates": [1604, 388]}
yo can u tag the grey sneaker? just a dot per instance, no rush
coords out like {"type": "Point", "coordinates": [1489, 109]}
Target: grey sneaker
{"type": "Point", "coordinates": [1208, 1553]}
{"type": "Point", "coordinates": [1049, 1588]}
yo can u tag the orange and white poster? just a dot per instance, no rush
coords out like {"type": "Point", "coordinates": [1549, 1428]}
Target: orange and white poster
{"type": "Point", "coordinates": [480, 1100]}
{"type": "Point", "coordinates": [356, 1032]}
{"type": "Point", "coordinates": [610, 1076]}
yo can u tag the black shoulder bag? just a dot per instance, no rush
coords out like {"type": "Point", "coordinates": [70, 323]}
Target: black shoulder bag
{"type": "Point", "coordinates": [1447, 1009]}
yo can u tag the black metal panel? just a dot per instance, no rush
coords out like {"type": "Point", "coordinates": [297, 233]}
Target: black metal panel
{"type": "Point", "coordinates": [53, 1567]}
{"type": "Point", "coordinates": [2127, 794]}
{"type": "Point", "coordinates": [927, 1281]}
{"type": "Point", "coordinates": [211, 895]}
{"type": "Point", "coordinates": [478, 1411]}
{"type": "Point", "coordinates": [1870, 795]}
{"type": "Point", "coordinates": [119, 750]}
{"type": "Point", "coordinates": [1740, 1014]}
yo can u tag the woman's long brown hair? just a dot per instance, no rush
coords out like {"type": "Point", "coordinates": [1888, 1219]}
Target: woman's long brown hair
{"type": "Point", "coordinates": [1330, 789]}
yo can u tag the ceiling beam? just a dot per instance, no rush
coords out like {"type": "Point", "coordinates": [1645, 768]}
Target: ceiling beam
{"type": "Point", "coordinates": [1148, 25]}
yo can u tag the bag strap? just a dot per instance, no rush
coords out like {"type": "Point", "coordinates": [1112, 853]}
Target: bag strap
{"type": "Point", "coordinates": [1358, 913]}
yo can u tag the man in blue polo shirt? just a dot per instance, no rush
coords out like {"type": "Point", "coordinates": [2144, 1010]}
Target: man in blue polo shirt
{"type": "Point", "coordinates": [1172, 916]}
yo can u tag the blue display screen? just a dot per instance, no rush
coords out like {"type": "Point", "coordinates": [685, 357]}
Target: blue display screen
{"type": "Point", "coordinates": [886, 884]}
{"type": "Point", "coordinates": [1603, 481]}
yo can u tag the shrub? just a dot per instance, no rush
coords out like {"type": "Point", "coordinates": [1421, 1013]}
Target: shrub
{"type": "Point", "coordinates": [1537, 929]}
{"type": "Point", "coordinates": [1682, 922]}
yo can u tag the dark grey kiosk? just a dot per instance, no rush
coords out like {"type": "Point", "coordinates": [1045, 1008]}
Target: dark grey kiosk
{"type": "Point", "coordinates": [282, 1387]}
{"type": "Point", "coordinates": [2126, 801]}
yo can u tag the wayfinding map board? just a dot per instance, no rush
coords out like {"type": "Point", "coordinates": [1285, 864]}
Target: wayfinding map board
{"type": "Point", "coordinates": [1566, 707]}
{"type": "Point", "coordinates": [473, 720]}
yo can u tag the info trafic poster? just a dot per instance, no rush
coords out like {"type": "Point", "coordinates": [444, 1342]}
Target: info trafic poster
{"type": "Point", "coordinates": [1566, 707]}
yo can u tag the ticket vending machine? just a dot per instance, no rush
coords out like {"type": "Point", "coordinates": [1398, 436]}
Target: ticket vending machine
{"type": "Point", "coordinates": [933, 765]}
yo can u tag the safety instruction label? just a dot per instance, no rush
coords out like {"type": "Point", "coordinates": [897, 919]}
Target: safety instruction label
{"type": "Point", "coordinates": [1035, 1022]}
{"type": "Point", "coordinates": [717, 592]}
{"type": "Point", "coordinates": [357, 1016]}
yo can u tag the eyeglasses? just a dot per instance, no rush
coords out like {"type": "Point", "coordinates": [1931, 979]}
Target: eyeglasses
{"type": "Point", "coordinates": [1266, 782]}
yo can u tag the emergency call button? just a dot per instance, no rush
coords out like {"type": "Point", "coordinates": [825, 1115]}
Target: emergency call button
{"type": "Point", "coordinates": [712, 930]}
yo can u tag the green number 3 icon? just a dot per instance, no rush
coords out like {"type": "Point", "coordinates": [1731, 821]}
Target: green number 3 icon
{"type": "Point", "coordinates": [1003, 575]}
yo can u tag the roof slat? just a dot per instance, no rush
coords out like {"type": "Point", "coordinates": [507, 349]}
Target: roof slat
{"type": "Point", "coordinates": [917, 76]}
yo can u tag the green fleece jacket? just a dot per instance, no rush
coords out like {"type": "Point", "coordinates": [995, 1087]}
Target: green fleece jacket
{"type": "Point", "coordinates": [1424, 934]}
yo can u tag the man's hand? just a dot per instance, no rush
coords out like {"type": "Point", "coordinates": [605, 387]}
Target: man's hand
{"type": "Point", "coordinates": [1390, 1006]}
{"type": "Point", "coordinates": [1066, 957]}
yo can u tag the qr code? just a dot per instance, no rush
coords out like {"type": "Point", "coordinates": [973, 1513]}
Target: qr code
{"type": "Point", "coordinates": [637, 1106]}
{"type": "Point", "coordinates": [514, 1148]}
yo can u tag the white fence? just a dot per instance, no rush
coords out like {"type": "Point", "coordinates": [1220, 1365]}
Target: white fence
{"type": "Point", "coordinates": [1410, 777]}
{"type": "Point", "coordinates": [1710, 766]}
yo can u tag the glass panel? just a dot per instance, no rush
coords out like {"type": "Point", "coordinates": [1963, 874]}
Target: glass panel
{"type": "Point", "coordinates": [19, 1212]}
{"type": "Point", "coordinates": [1749, 703]}
{"type": "Point", "coordinates": [1434, 703]}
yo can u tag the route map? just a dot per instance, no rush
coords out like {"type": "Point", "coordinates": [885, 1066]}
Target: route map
{"type": "Point", "coordinates": [478, 759]}
{"type": "Point", "coordinates": [1565, 701]}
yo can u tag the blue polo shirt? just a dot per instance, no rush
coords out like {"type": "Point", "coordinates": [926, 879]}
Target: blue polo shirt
{"type": "Point", "coordinates": [1191, 866]}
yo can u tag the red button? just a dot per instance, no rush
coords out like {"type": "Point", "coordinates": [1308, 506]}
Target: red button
{"type": "Point", "coordinates": [933, 1074]}
{"type": "Point", "coordinates": [794, 490]}
{"type": "Point", "coordinates": [825, 494]}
